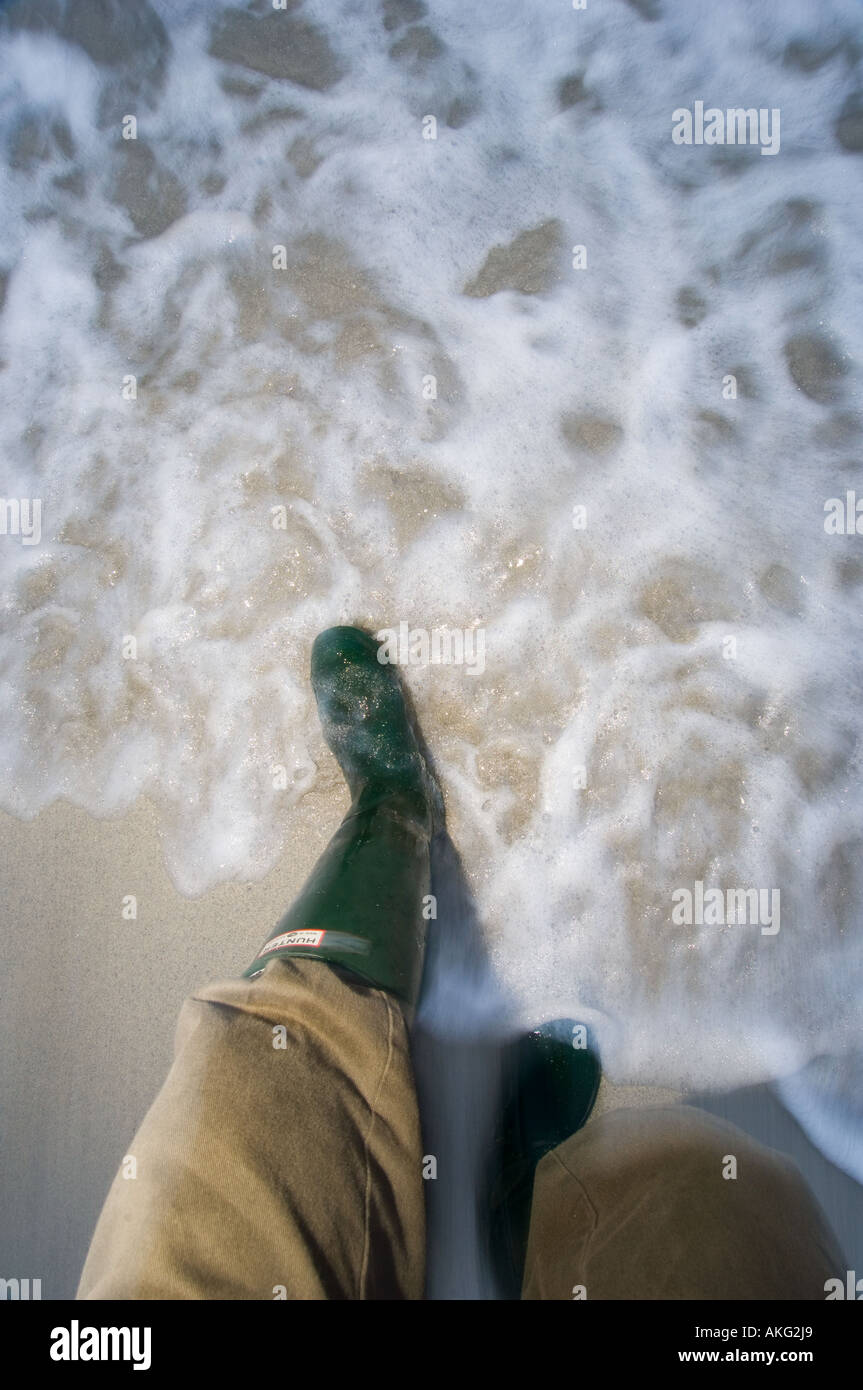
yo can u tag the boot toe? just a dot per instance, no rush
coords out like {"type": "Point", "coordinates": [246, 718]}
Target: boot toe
{"type": "Point", "coordinates": [341, 646]}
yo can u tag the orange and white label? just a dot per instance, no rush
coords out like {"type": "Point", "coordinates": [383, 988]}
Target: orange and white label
{"type": "Point", "coordinates": [292, 938]}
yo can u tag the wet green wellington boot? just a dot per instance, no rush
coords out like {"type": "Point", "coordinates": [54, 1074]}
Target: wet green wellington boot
{"type": "Point", "coordinates": [363, 906]}
{"type": "Point", "coordinates": [550, 1081]}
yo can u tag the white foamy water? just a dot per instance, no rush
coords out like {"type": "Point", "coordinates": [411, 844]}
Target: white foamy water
{"type": "Point", "coordinates": [616, 747]}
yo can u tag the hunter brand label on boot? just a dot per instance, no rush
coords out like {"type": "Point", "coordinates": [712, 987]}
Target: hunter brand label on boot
{"type": "Point", "coordinates": [292, 938]}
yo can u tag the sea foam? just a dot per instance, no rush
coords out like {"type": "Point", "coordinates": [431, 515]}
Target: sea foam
{"type": "Point", "coordinates": [283, 361]}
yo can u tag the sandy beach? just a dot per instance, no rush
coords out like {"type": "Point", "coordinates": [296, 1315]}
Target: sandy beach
{"type": "Point", "coordinates": [533, 340]}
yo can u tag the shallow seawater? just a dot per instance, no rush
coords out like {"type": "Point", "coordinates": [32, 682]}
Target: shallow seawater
{"type": "Point", "coordinates": [282, 360]}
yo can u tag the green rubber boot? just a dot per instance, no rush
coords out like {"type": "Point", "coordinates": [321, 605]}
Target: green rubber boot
{"type": "Point", "coordinates": [363, 906]}
{"type": "Point", "coordinates": [550, 1081]}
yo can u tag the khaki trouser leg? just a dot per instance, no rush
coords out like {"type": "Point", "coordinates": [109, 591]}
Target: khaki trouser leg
{"type": "Point", "coordinates": [262, 1167]}
{"type": "Point", "coordinates": [635, 1205]}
